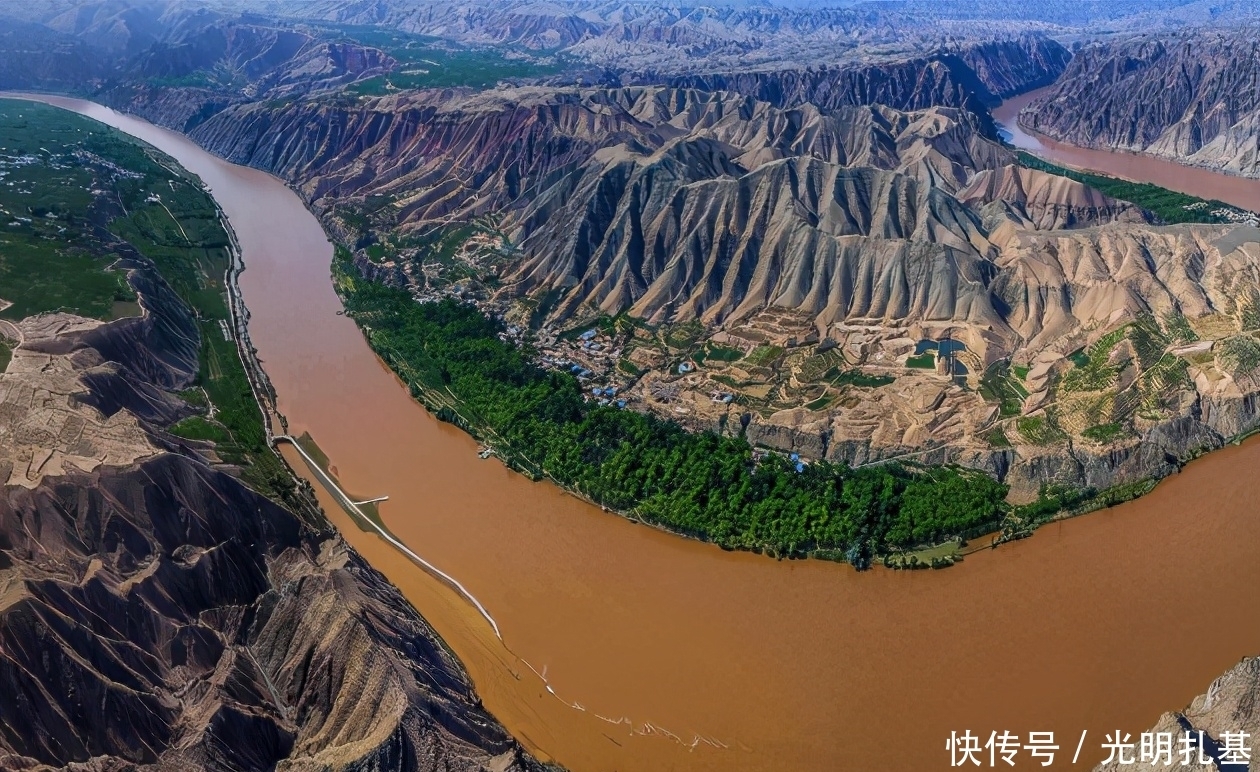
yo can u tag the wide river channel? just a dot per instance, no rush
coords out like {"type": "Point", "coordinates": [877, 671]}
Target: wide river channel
{"type": "Point", "coordinates": [625, 648]}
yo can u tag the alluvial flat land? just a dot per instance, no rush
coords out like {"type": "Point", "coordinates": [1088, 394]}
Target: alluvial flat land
{"type": "Point", "coordinates": [75, 197]}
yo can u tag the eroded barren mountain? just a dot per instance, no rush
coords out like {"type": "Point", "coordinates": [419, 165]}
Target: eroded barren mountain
{"type": "Point", "coordinates": [155, 611]}
{"type": "Point", "coordinates": [1189, 97]}
{"type": "Point", "coordinates": [1227, 708]}
{"type": "Point", "coordinates": [1088, 345]}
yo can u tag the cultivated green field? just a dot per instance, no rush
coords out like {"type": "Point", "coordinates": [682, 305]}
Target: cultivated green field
{"type": "Point", "coordinates": [74, 194]}
{"type": "Point", "coordinates": [51, 255]}
{"type": "Point", "coordinates": [427, 62]}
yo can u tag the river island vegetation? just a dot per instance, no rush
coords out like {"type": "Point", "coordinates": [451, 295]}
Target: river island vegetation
{"type": "Point", "coordinates": [704, 485]}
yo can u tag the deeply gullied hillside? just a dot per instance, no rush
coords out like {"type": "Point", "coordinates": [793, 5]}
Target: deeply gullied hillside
{"type": "Point", "coordinates": [832, 276]}
{"type": "Point", "coordinates": [823, 254]}
{"type": "Point", "coordinates": [256, 60]}
{"type": "Point", "coordinates": [646, 36]}
{"type": "Point", "coordinates": [156, 611]}
{"type": "Point", "coordinates": [972, 76]}
{"type": "Point", "coordinates": [1227, 708]}
{"type": "Point", "coordinates": [1190, 97]}
{"type": "Point", "coordinates": [30, 54]}
{"type": "Point", "coordinates": [156, 608]}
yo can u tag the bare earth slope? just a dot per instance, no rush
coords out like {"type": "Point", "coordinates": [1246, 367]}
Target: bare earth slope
{"type": "Point", "coordinates": [866, 229]}
{"type": "Point", "coordinates": [1191, 98]}
{"type": "Point", "coordinates": [156, 612]}
{"type": "Point", "coordinates": [1230, 705]}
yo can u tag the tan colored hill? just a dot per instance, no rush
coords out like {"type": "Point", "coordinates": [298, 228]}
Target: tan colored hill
{"type": "Point", "coordinates": [803, 264]}
{"type": "Point", "coordinates": [1228, 706]}
{"type": "Point", "coordinates": [156, 613]}
{"type": "Point", "coordinates": [1040, 201]}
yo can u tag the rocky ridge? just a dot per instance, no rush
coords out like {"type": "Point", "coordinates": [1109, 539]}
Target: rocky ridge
{"type": "Point", "coordinates": [1229, 705]}
{"type": "Point", "coordinates": [869, 227]}
{"type": "Point", "coordinates": [33, 54]}
{"type": "Point", "coordinates": [857, 226]}
{"type": "Point", "coordinates": [1190, 97]}
{"type": "Point", "coordinates": [157, 613]}
{"type": "Point", "coordinates": [649, 36]}
{"type": "Point", "coordinates": [973, 77]}
{"type": "Point", "coordinates": [253, 60]}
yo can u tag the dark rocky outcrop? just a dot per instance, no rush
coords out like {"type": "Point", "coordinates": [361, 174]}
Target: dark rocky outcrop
{"type": "Point", "coordinates": [157, 613]}
{"type": "Point", "coordinates": [973, 78]}
{"type": "Point", "coordinates": [1192, 98]}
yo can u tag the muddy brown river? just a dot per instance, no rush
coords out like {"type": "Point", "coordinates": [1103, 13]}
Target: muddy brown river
{"type": "Point", "coordinates": [1239, 191]}
{"type": "Point", "coordinates": [666, 654]}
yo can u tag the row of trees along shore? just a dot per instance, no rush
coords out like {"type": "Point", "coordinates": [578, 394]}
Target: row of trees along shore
{"type": "Point", "coordinates": [700, 484]}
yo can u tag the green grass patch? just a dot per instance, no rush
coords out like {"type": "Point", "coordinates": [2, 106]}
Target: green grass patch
{"type": "Point", "coordinates": [722, 353]}
{"type": "Point", "coordinates": [83, 187]}
{"type": "Point", "coordinates": [1092, 373]}
{"type": "Point", "coordinates": [194, 396]}
{"type": "Point", "coordinates": [628, 367]}
{"type": "Point", "coordinates": [1104, 433]}
{"type": "Point", "coordinates": [1241, 353]}
{"type": "Point", "coordinates": [763, 356]}
{"type": "Point", "coordinates": [683, 336]}
{"type": "Point", "coordinates": [996, 437]}
{"type": "Point", "coordinates": [1178, 329]}
{"type": "Point", "coordinates": [1039, 430]}
{"type": "Point", "coordinates": [922, 361]}
{"type": "Point", "coordinates": [998, 385]}
{"type": "Point", "coordinates": [858, 378]}
{"type": "Point", "coordinates": [201, 428]}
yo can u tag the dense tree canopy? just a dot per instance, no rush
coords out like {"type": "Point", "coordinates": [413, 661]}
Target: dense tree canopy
{"type": "Point", "coordinates": [700, 484]}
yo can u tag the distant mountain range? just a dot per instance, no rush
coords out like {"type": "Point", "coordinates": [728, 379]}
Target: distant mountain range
{"type": "Point", "coordinates": [802, 214]}
{"type": "Point", "coordinates": [699, 37]}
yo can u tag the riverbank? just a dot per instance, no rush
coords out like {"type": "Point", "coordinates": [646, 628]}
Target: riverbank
{"type": "Point", "coordinates": [1198, 181]}
{"type": "Point", "coordinates": [1080, 626]}
{"type": "Point", "coordinates": [700, 484]}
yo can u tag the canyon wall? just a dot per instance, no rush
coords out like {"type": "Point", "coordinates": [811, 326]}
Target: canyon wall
{"type": "Point", "coordinates": [1193, 98]}
{"type": "Point", "coordinates": [155, 611]}
{"type": "Point", "coordinates": [972, 77]}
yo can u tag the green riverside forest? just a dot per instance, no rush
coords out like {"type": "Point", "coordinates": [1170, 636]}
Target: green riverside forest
{"type": "Point", "coordinates": [1169, 206]}
{"type": "Point", "coordinates": [700, 484]}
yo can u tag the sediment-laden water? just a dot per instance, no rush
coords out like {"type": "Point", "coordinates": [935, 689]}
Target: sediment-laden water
{"type": "Point", "coordinates": [661, 653]}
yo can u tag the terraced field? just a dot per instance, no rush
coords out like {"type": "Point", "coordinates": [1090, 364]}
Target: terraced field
{"type": "Point", "coordinates": [75, 195]}
{"type": "Point", "coordinates": [426, 62]}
